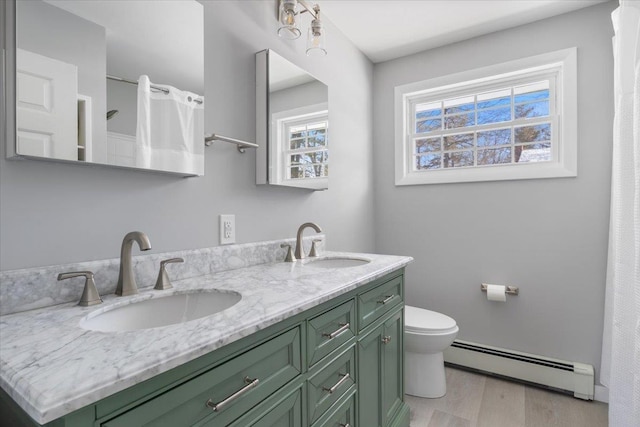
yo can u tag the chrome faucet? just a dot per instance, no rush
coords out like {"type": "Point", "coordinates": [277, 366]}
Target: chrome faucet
{"type": "Point", "coordinates": [126, 280]}
{"type": "Point", "coordinates": [299, 249]}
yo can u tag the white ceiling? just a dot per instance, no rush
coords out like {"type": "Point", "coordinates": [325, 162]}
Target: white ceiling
{"type": "Point", "coordinates": [388, 29]}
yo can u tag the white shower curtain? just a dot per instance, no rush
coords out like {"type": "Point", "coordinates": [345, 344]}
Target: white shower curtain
{"type": "Point", "coordinates": [170, 129]}
{"type": "Point", "coordinates": [621, 340]}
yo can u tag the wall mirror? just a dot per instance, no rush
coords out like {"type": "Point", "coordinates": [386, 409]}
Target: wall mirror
{"type": "Point", "coordinates": [117, 83]}
{"type": "Point", "coordinates": [292, 129]}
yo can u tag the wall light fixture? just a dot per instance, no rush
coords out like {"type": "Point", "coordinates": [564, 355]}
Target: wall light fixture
{"type": "Point", "coordinates": [289, 29]}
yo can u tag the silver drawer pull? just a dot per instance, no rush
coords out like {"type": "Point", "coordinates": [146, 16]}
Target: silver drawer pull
{"type": "Point", "coordinates": [387, 299]}
{"type": "Point", "coordinates": [344, 378]}
{"type": "Point", "coordinates": [345, 425]}
{"type": "Point", "coordinates": [386, 339]}
{"type": "Point", "coordinates": [343, 327]}
{"type": "Point", "coordinates": [217, 407]}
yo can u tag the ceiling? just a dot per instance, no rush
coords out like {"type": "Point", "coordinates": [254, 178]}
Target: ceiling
{"type": "Point", "coordinates": [389, 29]}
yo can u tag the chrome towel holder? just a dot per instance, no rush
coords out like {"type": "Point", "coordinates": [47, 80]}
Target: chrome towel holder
{"type": "Point", "coordinates": [208, 140]}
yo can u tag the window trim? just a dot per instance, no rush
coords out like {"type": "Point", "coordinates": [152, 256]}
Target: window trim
{"type": "Point", "coordinates": [562, 63]}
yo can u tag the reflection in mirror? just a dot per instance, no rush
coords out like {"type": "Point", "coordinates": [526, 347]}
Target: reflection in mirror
{"type": "Point", "coordinates": [292, 125]}
{"type": "Point", "coordinates": [116, 83]}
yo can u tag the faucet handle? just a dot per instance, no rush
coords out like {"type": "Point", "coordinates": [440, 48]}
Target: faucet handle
{"type": "Point", "coordinates": [163, 281]}
{"type": "Point", "coordinates": [290, 257]}
{"type": "Point", "coordinates": [314, 252]}
{"type": "Point", "coordinates": [90, 295]}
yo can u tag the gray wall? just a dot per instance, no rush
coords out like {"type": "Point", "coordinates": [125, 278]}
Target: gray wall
{"type": "Point", "coordinates": [54, 213]}
{"type": "Point", "coordinates": [124, 98]}
{"type": "Point", "coordinates": [547, 236]}
{"type": "Point", "coordinates": [56, 33]}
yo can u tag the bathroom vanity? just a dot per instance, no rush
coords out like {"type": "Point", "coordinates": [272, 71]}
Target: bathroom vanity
{"type": "Point", "coordinates": [307, 345]}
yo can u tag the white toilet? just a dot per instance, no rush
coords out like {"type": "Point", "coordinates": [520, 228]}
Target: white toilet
{"type": "Point", "coordinates": [426, 335]}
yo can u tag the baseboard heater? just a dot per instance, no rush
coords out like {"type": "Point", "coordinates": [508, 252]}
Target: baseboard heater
{"type": "Point", "coordinates": [561, 375]}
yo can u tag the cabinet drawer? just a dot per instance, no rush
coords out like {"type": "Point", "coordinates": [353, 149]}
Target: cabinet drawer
{"type": "Point", "coordinates": [330, 330]}
{"type": "Point", "coordinates": [332, 381]}
{"type": "Point", "coordinates": [226, 391]}
{"type": "Point", "coordinates": [378, 301]}
{"type": "Point", "coordinates": [282, 412]}
{"type": "Point", "coordinates": [343, 416]}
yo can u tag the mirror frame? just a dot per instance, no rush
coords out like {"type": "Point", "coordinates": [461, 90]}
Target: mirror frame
{"type": "Point", "coordinates": [8, 109]}
{"type": "Point", "coordinates": [8, 80]}
{"type": "Point", "coordinates": [265, 164]}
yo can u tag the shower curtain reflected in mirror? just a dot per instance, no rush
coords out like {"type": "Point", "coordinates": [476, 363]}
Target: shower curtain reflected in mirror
{"type": "Point", "coordinates": [170, 129]}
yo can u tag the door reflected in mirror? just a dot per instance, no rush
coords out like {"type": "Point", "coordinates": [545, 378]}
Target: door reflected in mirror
{"type": "Point", "coordinates": [292, 125]}
{"type": "Point", "coordinates": [116, 83]}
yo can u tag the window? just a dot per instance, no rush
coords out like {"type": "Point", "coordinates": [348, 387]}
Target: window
{"type": "Point", "coordinates": [302, 148]}
{"type": "Point", "coordinates": [510, 121]}
{"type": "Point", "coordinates": [306, 153]}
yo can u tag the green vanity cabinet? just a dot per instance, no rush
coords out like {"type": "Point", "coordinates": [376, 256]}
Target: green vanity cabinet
{"type": "Point", "coordinates": [334, 365]}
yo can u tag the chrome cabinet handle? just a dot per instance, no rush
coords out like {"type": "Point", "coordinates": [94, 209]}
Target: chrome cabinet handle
{"type": "Point", "coordinates": [344, 378]}
{"type": "Point", "coordinates": [217, 407]}
{"type": "Point", "coordinates": [387, 299]}
{"type": "Point", "coordinates": [386, 339]}
{"type": "Point", "coordinates": [345, 425]}
{"type": "Point", "coordinates": [343, 327]}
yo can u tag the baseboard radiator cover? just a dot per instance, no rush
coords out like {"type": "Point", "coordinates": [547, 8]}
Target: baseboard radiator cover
{"type": "Point", "coordinates": [572, 377]}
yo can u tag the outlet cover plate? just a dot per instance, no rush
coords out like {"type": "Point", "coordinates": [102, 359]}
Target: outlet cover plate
{"type": "Point", "coordinates": [227, 229]}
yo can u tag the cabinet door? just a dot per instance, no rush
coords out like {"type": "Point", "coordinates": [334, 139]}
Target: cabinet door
{"type": "Point", "coordinates": [370, 368]}
{"type": "Point", "coordinates": [392, 360]}
{"type": "Point", "coordinates": [380, 372]}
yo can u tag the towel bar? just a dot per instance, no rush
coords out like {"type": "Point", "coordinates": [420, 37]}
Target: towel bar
{"type": "Point", "coordinates": [208, 140]}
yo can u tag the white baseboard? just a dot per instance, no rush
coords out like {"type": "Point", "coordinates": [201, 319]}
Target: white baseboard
{"type": "Point", "coordinates": [574, 377]}
{"type": "Point", "coordinates": [601, 394]}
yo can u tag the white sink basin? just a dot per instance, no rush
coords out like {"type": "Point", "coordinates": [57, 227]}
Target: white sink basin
{"type": "Point", "coordinates": [337, 262]}
{"type": "Point", "coordinates": [162, 311]}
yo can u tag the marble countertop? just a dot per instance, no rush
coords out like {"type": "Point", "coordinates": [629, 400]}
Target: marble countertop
{"type": "Point", "coordinates": [51, 367]}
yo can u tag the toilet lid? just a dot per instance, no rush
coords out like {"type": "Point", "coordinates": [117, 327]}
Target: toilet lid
{"type": "Point", "coordinates": [421, 320]}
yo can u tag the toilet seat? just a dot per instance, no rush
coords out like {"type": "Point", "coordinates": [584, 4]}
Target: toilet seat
{"type": "Point", "coordinates": [421, 321]}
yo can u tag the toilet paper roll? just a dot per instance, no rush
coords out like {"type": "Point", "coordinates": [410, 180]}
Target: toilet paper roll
{"type": "Point", "coordinates": [496, 293]}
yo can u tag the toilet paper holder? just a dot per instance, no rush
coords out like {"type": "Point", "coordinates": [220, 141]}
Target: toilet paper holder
{"type": "Point", "coordinates": [511, 290]}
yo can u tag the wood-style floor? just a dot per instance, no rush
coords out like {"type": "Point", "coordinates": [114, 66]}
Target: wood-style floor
{"type": "Point", "coordinates": [475, 400]}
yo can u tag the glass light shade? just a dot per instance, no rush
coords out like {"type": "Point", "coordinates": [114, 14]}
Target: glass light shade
{"type": "Point", "coordinates": [315, 40]}
{"type": "Point", "coordinates": [288, 26]}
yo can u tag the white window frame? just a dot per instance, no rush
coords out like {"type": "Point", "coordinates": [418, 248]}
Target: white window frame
{"type": "Point", "coordinates": [280, 151]}
{"type": "Point", "coordinates": [559, 66]}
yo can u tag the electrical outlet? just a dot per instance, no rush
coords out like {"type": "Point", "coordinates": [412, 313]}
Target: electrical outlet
{"type": "Point", "coordinates": [227, 229]}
